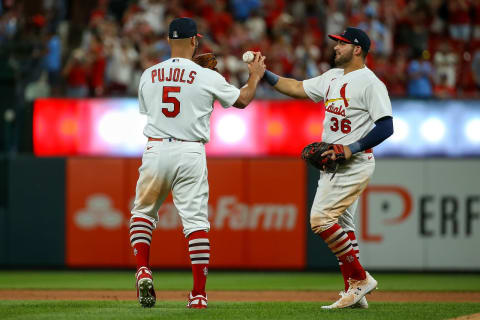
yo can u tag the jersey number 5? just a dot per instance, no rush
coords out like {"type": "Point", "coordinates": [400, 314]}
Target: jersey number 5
{"type": "Point", "coordinates": [344, 125]}
{"type": "Point", "coordinates": [173, 100]}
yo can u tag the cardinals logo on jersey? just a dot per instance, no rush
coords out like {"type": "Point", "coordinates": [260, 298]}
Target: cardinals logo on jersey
{"type": "Point", "coordinates": [332, 108]}
{"type": "Point", "coordinates": [342, 94]}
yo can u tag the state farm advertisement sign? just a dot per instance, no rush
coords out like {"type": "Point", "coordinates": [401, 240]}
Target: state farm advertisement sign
{"type": "Point", "coordinates": [421, 215]}
{"type": "Point", "coordinates": [256, 210]}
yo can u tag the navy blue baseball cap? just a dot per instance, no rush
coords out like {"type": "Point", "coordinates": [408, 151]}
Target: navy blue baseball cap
{"type": "Point", "coordinates": [182, 28]}
{"type": "Point", "coordinates": [354, 36]}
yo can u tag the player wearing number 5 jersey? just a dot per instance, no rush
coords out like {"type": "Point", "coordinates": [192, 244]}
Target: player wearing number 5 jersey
{"type": "Point", "coordinates": [177, 95]}
{"type": "Point", "coordinates": [358, 116]}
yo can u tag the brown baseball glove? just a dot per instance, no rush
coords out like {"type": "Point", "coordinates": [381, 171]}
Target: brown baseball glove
{"type": "Point", "coordinates": [206, 60]}
{"type": "Point", "coordinates": [313, 155]}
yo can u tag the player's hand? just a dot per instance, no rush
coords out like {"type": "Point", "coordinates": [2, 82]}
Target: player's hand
{"type": "Point", "coordinates": [348, 152]}
{"type": "Point", "coordinates": [332, 155]}
{"type": "Point", "coordinates": [257, 67]}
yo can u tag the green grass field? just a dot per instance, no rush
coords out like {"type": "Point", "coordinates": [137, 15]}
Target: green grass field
{"type": "Point", "coordinates": [305, 281]}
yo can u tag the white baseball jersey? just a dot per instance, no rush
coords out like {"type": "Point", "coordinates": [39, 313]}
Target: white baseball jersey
{"type": "Point", "coordinates": [177, 96]}
{"type": "Point", "coordinates": [353, 102]}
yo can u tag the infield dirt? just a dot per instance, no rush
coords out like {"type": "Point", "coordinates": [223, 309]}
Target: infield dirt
{"type": "Point", "coordinates": [240, 296]}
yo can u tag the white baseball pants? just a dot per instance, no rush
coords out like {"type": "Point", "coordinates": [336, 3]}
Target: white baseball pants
{"type": "Point", "coordinates": [180, 167]}
{"type": "Point", "coordinates": [336, 200]}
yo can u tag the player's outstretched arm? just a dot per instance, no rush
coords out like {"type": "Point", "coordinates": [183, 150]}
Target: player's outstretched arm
{"type": "Point", "coordinates": [256, 69]}
{"type": "Point", "coordinates": [287, 86]}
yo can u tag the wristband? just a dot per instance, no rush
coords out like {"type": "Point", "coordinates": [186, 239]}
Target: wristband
{"type": "Point", "coordinates": [355, 147]}
{"type": "Point", "coordinates": [271, 78]}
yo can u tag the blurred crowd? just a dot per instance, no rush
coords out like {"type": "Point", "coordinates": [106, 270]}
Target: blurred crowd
{"type": "Point", "coordinates": [97, 48]}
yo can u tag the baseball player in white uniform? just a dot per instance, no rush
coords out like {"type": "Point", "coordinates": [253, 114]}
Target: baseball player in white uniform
{"type": "Point", "coordinates": [177, 95]}
{"type": "Point", "coordinates": [358, 116]}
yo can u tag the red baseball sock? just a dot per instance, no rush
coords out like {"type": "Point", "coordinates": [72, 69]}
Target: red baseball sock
{"type": "Point", "coordinates": [353, 239]}
{"type": "Point", "coordinates": [344, 275]}
{"type": "Point", "coordinates": [140, 237]}
{"type": "Point", "coordinates": [339, 243]}
{"type": "Point", "coordinates": [199, 250]}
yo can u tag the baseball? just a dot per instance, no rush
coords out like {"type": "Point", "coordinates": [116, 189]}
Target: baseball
{"type": "Point", "coordinates": [248, 57]}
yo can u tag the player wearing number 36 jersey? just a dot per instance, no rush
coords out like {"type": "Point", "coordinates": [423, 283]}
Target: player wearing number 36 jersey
{"type": "Point", "coordinates": [177, 96]}
{"type": "Point", "coordinates": [353, 102]}
{"type": "Point", "coordinates": [358, 116]}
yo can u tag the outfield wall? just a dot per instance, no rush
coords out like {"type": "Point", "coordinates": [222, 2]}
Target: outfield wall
{"type": "Point", "coordinates": [415, 215]}
{"type": "Point", "coordinates": [256, 211]}
{"type": "Point", "coordinates": [422, 214]}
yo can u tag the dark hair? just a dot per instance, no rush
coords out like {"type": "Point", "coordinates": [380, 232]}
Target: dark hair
{"type": "Point", "coordinates": [364, 53]}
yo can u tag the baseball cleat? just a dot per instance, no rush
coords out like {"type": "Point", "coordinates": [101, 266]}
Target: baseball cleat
{"type": "Point", "coordinates": [145, 291]}
{"type": "Point", "coordinates": [358, 289]}
{"type": "Point", "coordinates": [197, 302]}
{"type": "Point", "coordinates": [361, 304]}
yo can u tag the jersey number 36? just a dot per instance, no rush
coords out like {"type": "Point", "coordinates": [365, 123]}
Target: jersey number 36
{"type": "Point", "coordinates": [166, 98]}
{"type": "Point", "coordinates": [344, 125]}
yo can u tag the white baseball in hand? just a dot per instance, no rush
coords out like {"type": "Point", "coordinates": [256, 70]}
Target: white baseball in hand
{"type": "Point", "coordinates": [248, 56]}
